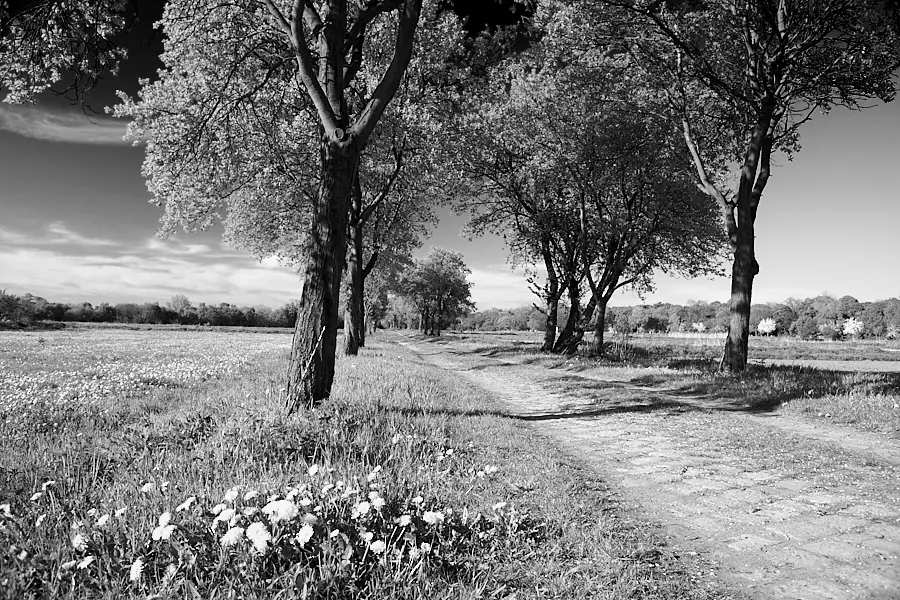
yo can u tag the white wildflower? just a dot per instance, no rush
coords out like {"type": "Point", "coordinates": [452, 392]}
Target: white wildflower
{"type": "Point", "coordinates": [281, 510]}
{"type": "Point", "coordinates": [40, 520]}
{"type": "Point", "coordinates": [148, 487]}
{"type": "Point", "coordinates": [68, 565]}
{"type": "Point", "coordinates": [79, 543]}
{"type": "Point", "coordinates": [186, 504]}
{"type": "Point", "coordinates": [378, 503]}
{"type": "Point", "coordinates": [250, 495]}
{"type": "Point", "coordinates": [218, 508]}
{"type": "Point", "coordinates": [120, 511]}
{"type": "Point", "coordinates": [418, 500]}
{"type": "Point", "coordinates": [360, 509]}
{"type": "Point", "coordinates": [404, 520]}
{"type": "Point", "coordinates": [232, 536]}
{"type": "Point", "coordinates": [87, 560]}
{"type": "Point", "coordinates": [137, 568]}
{"type": "Point", "coordinates": [378, 546]}
{"type": "Point", "coordinates": [313, 470]}
{"type": "Point", "coordinates": [231, 495]}
{"type": "Point", "coordinates": [103, 520]}
{"type": "Point", "coordinates": [224, 515]}
{"type": "Point", "coordinates": [304, 535]}
{"type": "Point", "coordinates": [164, 531]}
{"type": "Point", "coordinates": [433, 517]}
{"type": "Point", "coordinates": [36, 496]}
{"type": "Point", "coordinates": [260, 536]}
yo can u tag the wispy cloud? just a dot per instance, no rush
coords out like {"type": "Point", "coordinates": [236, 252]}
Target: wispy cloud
{"type": "Point", "coordinates": [62, 234]}
{"type": "Point", "coordinates": [500, 288]}
{"type": "Point", "coordinates": [56, 233]}
{"type": "Point", "coordinates": [52, 125]}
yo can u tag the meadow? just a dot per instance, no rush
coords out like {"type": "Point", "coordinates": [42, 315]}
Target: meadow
{"type": "Point", "coordinates": [160, 464]}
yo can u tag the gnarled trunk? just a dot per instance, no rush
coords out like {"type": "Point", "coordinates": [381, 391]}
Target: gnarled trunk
{"type": "Point", "coordinates": [571, 335]}
{"type": "Point", "coordinates": [311, 368]}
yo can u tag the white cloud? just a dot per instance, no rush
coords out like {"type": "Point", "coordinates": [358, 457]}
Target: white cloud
{"type": "Point", "coordinates": [500, 288]}
{"type": "Point", "coordinates": [138, 278]}
{"type": "Point", "coordinates": [73, 126]}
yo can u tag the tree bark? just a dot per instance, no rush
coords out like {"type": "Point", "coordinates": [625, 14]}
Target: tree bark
{"type": "Point", "coordinates": [754, 176]}
{"type": "Point", "coordinates": [551, 323]}
{"type": "Point", "coordinates": [571, 335]}
{"type": "Point", "coordinates": [600, 325]}
{"type": "Point", "coordinates": [311, 368]}
{"type": "Point", "coordinates": [551, 295]}
{"type": "Point", "coordinates": [354, 316]}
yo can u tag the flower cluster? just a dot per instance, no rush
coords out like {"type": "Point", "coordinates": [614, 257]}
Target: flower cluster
{"type": "Point", "coordinates": [346, 527]}
{"type": "Point", "coordinates": [48, 375]}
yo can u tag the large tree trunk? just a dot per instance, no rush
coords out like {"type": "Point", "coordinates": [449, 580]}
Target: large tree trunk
{"type": "Point", "coordinates": [571, 335]}
{"type": "Point", "coordinates": [754, 176]}
{"type": "Point", "coordinates": [311, 369]}
{"type": "Point", "coordinates": [551, 295]}
{"type": "Point", "coordinates": [354, 317]}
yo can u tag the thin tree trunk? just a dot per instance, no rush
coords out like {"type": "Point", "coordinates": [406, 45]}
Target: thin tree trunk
{"type": "Point", "coordinates": [600, 325]}
{"type": "Point", "coordinates": [354, 325]}
{"type": "Point", "coordinates": [571, 335]}
{"type": "Point", "coordinates": [551, 323]}
{"type": "Point", "coordinates": [311, 368]}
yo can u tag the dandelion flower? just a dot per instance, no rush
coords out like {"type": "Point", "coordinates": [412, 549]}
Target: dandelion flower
{"type": "Point", "coordinates": [79, 543]}
{"type": "Point", "coordinates": [22, 555]}
{"type": "Point", "coordinates": [92, 512]}
{"type": "Point", "coordinates": [232, 536]}
{"type": "Point", "coordinates": [326, 489]}
{"type": "Point", "coordinates": [281, 510]}
{"type": "Point", "coordinates": [304, 535]}
{"type": "Point", "coordinates": [367, 536]}
{"type": "Point", "coordinates": [433, 517]}
{"type": "Point", "coordinates": [164, 531]}
{"type": "Point", "coordinates": [377, 546]}
{"type": "Point", "coordinates": [224, 515]}
{"type": "Point", "coordinates": [87, 560]}
{"type": "Point", "coordinates": [36, 496]}
{"type": "Point", "coordinates": [186, 504]}
{"type": "Point", "coordinates": [305, 502]}
{"type": "Point", "coordinates": [361, 509]}
{"type": "Point", "coordinates": [418, 500]}
{"type": "Point", "coordinates": [250, 495]}
{"type": "Point", "coordinates": [313, 470]}
{"type": "Point", "coordinates": [120, 511]}
{"type": "Point", "coordinates": [378, 503]}
{"type": "Point", "coordinates": [249, 511]}
{"type": "Point", "coordinates": [137, 567]}
{"type": "Point", "coordinates": [310, 519]}
{"type": "Point", "coordinates": [425, 547]}
{"type": "Point", "coordinates": [260, 536]}
{"type": "Point", "coordinates": [68, 565]}
{"type": "Point", "coordinates": [40, 520]}
{"type": "Point", "coordinates": [148, 487]}
{"type": "Point", "coordinates": [404, 520]}
{"type": "Point", "coordinates": [218, 508]}
{"type": "Point", "coordinates": [103, 520]}
{"type": "Point", "coordinates": [490, 469]}
{"type": "Point", "coordinates": [373, 494]}
{"type": "Point", "coordinates": [231, 495]}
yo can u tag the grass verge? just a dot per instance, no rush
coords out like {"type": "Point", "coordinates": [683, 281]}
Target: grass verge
{"type": "Point", "coordinates": [400, 486]}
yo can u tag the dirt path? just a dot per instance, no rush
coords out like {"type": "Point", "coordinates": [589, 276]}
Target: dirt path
{"type": "Point", "coordinates": [782, 508]}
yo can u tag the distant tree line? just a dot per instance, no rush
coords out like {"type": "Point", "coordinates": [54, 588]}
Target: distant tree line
{"type": "Point", "coordinates": [823, 317]}
{"type": "Point", "coordinates": [27, 309]}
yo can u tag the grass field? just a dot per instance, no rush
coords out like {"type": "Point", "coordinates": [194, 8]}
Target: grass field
{"type": "Point", "coordinates": [138, 464]}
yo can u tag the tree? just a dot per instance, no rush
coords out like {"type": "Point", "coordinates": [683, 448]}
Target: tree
{"type": "Point", "coordinates": [584, 180]}
{"type": "Point", "coordinates": [438, 287]}
{"type": "Point", "coordinates": [287, 68]}
{"type": "Point", "coordinates": [767, 326]}
{"type": "Point", "coordinates": [179, 303]}
{"type": "Point", "coordinates": [751, 74]}
{"type": "Point", "coordinates": [42, 40]}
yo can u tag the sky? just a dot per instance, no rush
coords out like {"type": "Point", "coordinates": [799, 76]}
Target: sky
{"type": "Point", "coordinates": [76, 222]}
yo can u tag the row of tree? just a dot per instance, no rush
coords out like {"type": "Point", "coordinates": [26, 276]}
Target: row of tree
{"type": "Point", "coordinates": [28, 309]}
{"type": "Point", "coordinates": [822, 317]}
{"type": "Point", "coordinates": [607, 138]}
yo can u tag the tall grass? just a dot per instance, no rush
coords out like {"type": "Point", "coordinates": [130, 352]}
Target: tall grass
{"type": "Point", "coordinates": [405, 484]}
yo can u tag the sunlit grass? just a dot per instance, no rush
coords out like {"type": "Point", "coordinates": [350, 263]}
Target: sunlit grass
{"type": "Point", "coordinates": [405, 484]}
